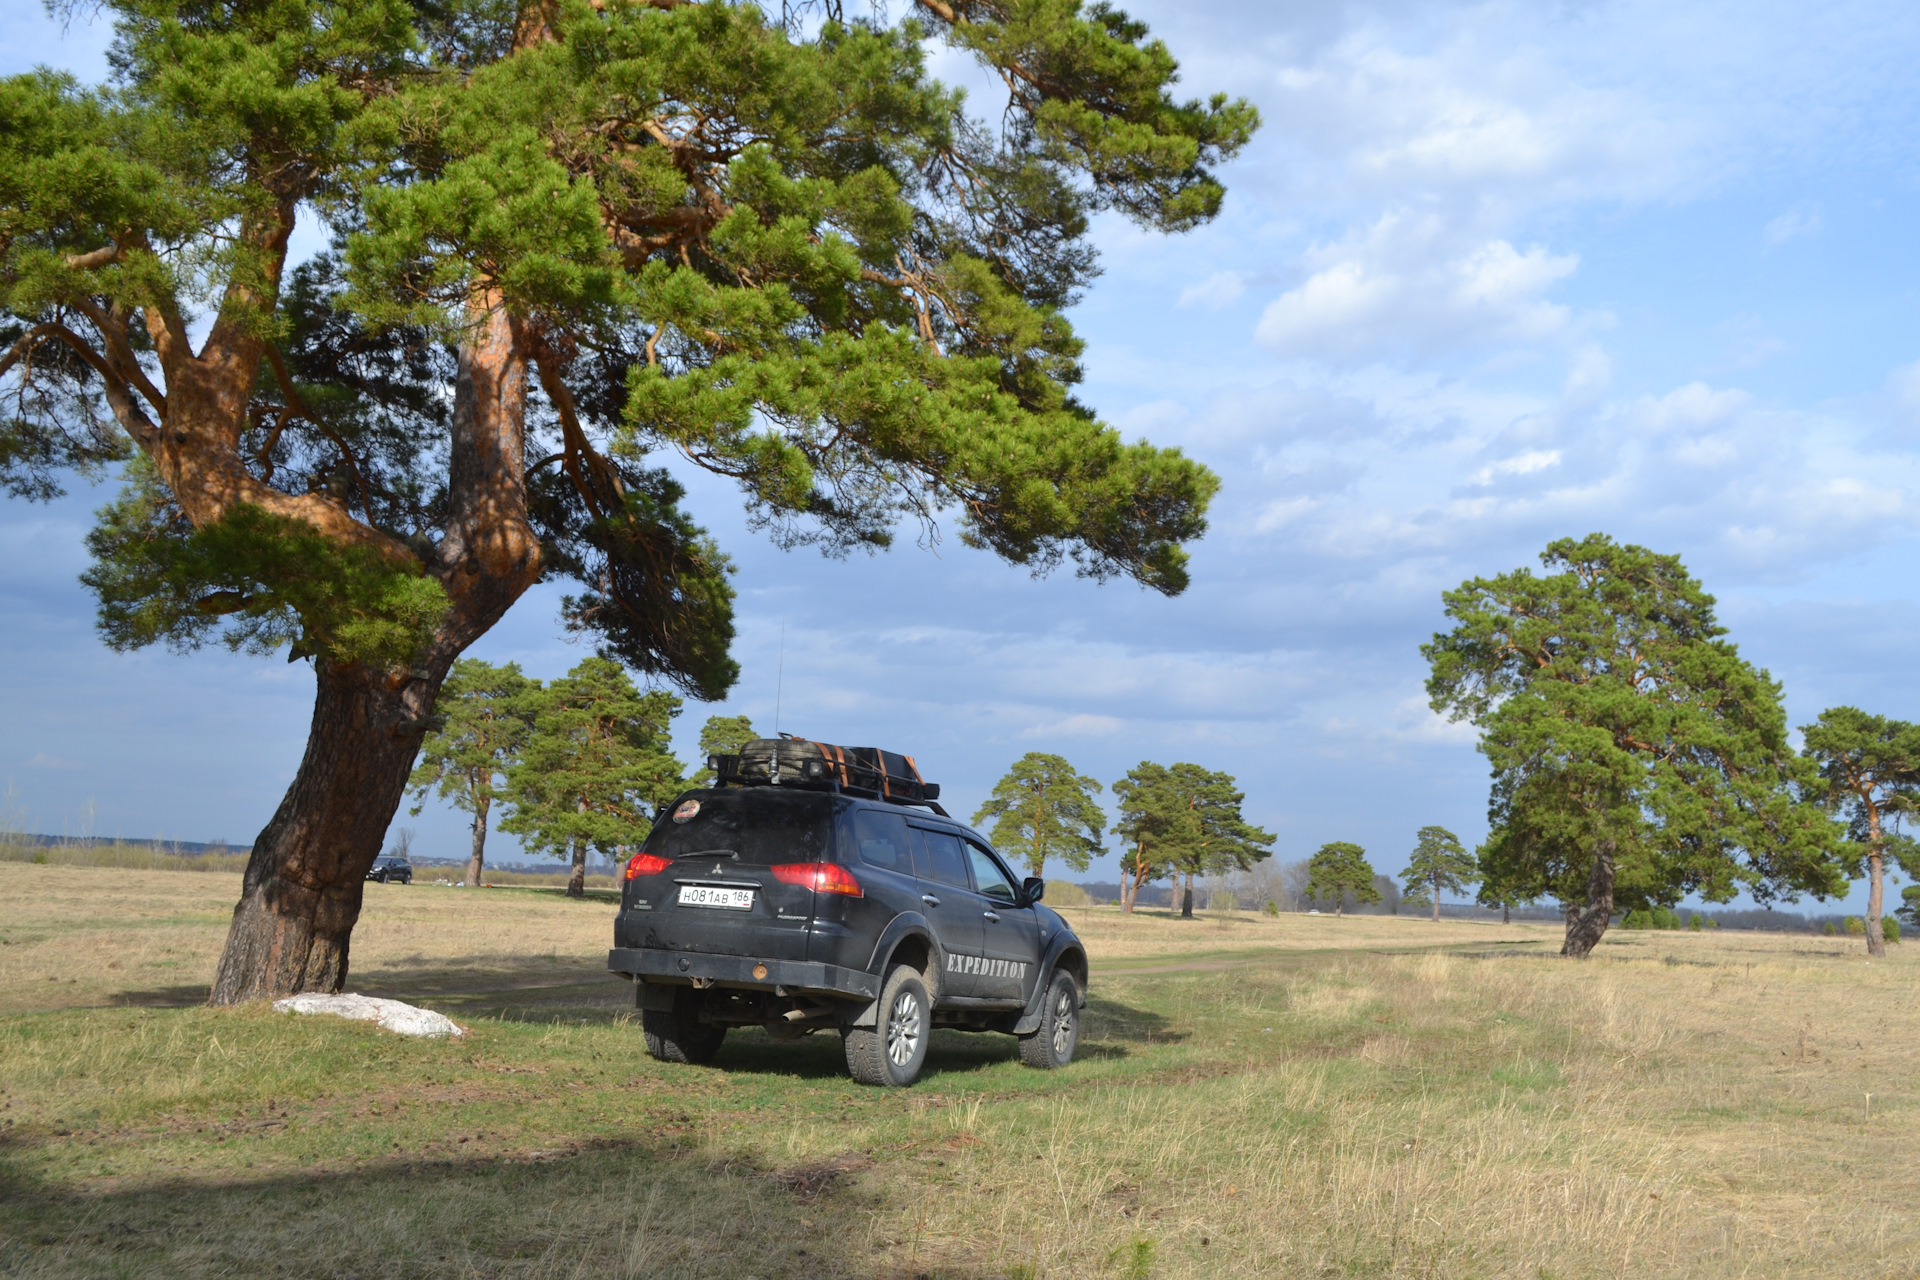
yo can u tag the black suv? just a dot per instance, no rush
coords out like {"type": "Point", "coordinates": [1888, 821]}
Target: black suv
{"type": "Point", "coordinates": [390, 867]}
{"type": "Point", "coordinates": [817, 904]}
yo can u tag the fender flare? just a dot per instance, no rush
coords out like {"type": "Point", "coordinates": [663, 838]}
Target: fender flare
{"type": "Point", "coordinates": [1029, 1020]}
{"type": "Point", "coordinates": [908, 924]}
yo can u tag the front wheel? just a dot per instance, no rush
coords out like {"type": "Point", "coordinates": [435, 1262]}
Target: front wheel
{"type": "Point", "coordinates": [1052, 1043]}
{"type": "Point", "coordinates": [891, 1053]}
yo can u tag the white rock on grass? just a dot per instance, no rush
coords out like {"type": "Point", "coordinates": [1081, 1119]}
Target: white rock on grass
{"type": "Point", "coordinates": [395, 1015]}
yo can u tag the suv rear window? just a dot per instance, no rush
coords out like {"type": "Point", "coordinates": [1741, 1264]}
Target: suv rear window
{"type": "Point", "coordinates": [763, 825]}
{"type": "Point", "coordinates": [881, 839]}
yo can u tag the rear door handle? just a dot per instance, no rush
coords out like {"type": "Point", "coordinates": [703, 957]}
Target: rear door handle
{"type": "Point", "coordinates": [929, 899]}
{"type": "Point", "coordinates": [993, 916]}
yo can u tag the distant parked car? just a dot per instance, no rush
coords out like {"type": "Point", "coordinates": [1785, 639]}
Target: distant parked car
{"type": "Point", "coordinates": [388, 868]}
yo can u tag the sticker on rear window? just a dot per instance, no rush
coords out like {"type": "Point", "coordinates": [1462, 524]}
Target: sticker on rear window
{"type": "Point", "coordinates": [685, 811]}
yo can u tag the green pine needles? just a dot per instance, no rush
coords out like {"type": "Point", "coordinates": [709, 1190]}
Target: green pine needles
{"type": "Point", "coordinates": [253, 580]}
{"type": "Point", "coordinates": [594, 765]}
{"type": "Point", "coordinates": [1339, 872]}
{"type": "Point", "coordinates": [1044, 809]}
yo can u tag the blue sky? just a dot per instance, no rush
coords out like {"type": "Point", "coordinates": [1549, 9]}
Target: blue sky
{"type": "Point", "coordinates": [1491, 274]}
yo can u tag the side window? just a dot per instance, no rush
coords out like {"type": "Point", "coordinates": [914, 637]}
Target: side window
{"type": "Point", "coordinates": [988, 877]}
{"type": "Point", "coordinates": [945, 862]}
{"type": "Point", "coordinates": [881, 839]}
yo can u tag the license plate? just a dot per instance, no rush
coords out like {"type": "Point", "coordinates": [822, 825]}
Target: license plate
{"type": "Point", "coordinates": [704, 895]}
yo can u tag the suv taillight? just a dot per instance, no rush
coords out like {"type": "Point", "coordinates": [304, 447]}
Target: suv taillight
{"type": "Point", "coordinates": [821, 877]}
{"type": "Point", "coordinates": [645, 864]}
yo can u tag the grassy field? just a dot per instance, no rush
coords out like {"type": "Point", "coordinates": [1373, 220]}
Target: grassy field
{"type": "Point", "coordinates": [1296, 1097]}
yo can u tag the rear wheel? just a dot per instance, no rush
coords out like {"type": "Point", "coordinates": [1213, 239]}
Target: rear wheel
{"type": "Point", "coordinates": [891, 1052]}
{"type": "Point", "coordinates": [677, 1034]}
{"type": "Point", "coordinates": [1052, 1043]}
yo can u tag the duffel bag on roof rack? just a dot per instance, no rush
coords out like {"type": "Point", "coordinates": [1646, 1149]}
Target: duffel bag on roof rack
{"type": "Point", "coordinates": [790, 761]}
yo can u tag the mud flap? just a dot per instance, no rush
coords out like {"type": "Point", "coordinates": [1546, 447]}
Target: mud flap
{"type": "Point", "coordinates": [656, 996]}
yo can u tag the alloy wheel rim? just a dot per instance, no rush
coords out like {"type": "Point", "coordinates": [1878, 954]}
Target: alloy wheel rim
{"type": "Point", "coordinates": [903, 1029]}
{"type": "Point", "coordinates": [1062, 1025]}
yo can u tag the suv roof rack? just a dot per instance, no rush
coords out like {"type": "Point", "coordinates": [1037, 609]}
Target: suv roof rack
{"type": "Point", "coordinates": [788, 761]}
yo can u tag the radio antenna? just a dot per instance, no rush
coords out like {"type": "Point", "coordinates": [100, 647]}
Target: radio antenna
{"type": "Point", "coordinates": [780, 678]}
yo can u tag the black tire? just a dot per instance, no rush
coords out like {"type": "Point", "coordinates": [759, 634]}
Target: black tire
{"type": "Point", "coordinates": [1052, 1043]}
{"type": "Point", "coordinates": [892, 1052]}
{"type": "Point", "coordinates": [381, 877]}
{"type": "Point", "coordinates": [678, 1035]}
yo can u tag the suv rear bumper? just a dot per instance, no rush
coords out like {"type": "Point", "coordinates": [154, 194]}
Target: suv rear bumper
{"type": "Point", "coordinates": [738, 971]}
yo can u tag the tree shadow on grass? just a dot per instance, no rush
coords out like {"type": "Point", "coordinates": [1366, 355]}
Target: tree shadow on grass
{"type": "Point", "coordinates": [624, 1208]}
{"type": "Point", "coordinates": [1117, 1025]}
{"type": "Point", "coordinates": [183, 996]}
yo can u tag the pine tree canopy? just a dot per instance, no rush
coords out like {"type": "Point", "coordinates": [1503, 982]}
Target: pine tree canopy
{"type": "Point", "coordinates": [1339, 870]}
{"type": "Point", "coordinates": [1189, 818]}
{"type": "Point", "coordinates": [595, 765]}
{"type": "Point", "coordinates": [1870, 774]}
{"type": "Point", "coordinates": [1629, 741]}
{"type": "Point", "coordinates": [720, 736]}
{"type": "Point", "coordinates": [1044, 809]}
{"type": "Point", "coordinates": [486, 713]}
{"type": "Point", "coordinates": [1440, 864]}
{"type": "Point", "coordinates": [789, 257]}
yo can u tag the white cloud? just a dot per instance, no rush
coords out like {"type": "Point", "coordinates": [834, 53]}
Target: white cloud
{"type": "Point", "coordinates": [1218, 290]}
{"type": "Point", "coordinates": [1519, 465]}
{"type": "Point", "coordinates": [1801, 220]}
{"type": "Point", "coordinates": [1077, 726]}
{"type": "Point", "coordinates": [1282, 512]}
{"type": "Point", "coordinates": [1406, 285]}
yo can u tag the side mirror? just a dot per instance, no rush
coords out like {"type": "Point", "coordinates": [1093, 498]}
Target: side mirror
{"type": "Point", "coordinates": [1033, 888]}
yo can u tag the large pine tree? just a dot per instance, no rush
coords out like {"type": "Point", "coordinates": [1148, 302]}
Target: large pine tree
{"type": "Point", "coordinates": [1636, 756]}
{"type": "Point", "coordinates": [572, 235]}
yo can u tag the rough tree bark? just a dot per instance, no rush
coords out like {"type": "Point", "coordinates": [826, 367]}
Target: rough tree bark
{"type": "Point", "coordinates": [1436, 900]}
{"type": "Point", "coordinates": [301, 895]}
{"type": "Point", "coordinates": [477, 860]}
{"type": "Point", "coordinates": [1186, 898]}
{"type": "Point", "coordinates": [1587, 923]}
{"type": "Point", "coordinates": [577, 876]}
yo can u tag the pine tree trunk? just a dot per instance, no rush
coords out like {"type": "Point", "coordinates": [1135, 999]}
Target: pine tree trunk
{"type": "Point", "coordinates": [1876, 940]}
{"type": "Point", "coordinates": [1876, 865]}
{"type": "Point", "coordinates": [301, 894]}
{"type": "Point", "coordinates": [1587, 924]}
{"type": "Point", "coordinates": [1506, 914]}
{"type": "Point", "coordinates": [477, 861]}
{"type": "Point", "coordinates": [1186, 899]}
{"type": "Point", "coordinates": [1436, 902]}
{"type": "Point", "coordinates": [577, 878]}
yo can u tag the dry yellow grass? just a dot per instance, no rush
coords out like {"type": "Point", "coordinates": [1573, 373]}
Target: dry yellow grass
{"type": "Point", "coordinates": [91, 935]}
{"type": "Point", "coordinates": [1300, 1097]}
